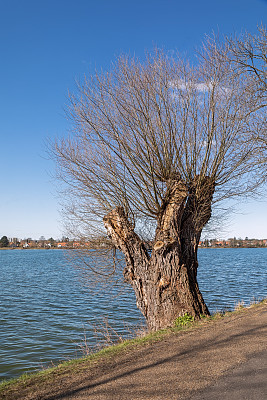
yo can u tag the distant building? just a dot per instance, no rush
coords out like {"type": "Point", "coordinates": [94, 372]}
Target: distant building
{"type": "Point", "coordinates": [62, 244]}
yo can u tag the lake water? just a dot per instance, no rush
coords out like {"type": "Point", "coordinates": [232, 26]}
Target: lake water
{"type": "Point", "coordinates": [47, 309]}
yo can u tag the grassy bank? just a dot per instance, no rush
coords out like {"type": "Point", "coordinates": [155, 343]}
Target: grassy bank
{"type": "Point", "coordinates": [29, 383]}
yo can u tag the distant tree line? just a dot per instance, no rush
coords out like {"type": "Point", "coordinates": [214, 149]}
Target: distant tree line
{"type": "Point", "coordinates": [234, 242]}
{"type": "Point", "coordinates": [4, 242]}
{"type": "Point", "coordinates": [101, 242]}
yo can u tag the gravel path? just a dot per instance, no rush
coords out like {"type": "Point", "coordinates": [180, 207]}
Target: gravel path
{"type": "Point", "coordinates": [223, 359]}
{"type": "Point", "coordinates": [247, 381]}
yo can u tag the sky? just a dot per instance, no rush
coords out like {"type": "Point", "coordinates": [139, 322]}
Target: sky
{"type": "Point", "coordinates": [46, 45]}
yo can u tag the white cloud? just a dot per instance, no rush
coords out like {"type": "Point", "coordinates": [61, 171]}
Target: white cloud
{"type": "Point", "coordinates": [201, 87]}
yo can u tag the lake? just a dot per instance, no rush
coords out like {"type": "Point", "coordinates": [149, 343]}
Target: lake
{"type": "Point", "coordinates": [48, 307]}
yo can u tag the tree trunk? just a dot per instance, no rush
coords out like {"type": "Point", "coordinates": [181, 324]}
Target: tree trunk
{"type": "Point", "coordinates": [165, 282]}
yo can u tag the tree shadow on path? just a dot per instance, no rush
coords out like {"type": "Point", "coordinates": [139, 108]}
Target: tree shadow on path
{"type": "Point", "coordinates": [197, 349]}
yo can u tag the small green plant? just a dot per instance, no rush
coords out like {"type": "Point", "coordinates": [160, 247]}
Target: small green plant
{"type": "Point", "coordinates": [186, 319]}
{"type": "Point", "coordinates": [240, 305]}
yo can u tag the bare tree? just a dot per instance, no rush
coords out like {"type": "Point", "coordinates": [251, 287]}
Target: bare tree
{"type": "Point", "coordinates": [156, 144]}
{"type": "Point", "coordinates": [249, 52]}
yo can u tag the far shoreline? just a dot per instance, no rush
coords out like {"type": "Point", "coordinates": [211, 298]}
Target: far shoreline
{"type": "Point", "coordinates": [85, 249]}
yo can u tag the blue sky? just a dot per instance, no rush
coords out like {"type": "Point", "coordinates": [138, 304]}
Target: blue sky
{"type": "Point", "coordinates": [46, 45]}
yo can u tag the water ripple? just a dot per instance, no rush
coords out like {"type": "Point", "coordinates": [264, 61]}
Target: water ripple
{"type": "Point", "coordinates": [45, 308]}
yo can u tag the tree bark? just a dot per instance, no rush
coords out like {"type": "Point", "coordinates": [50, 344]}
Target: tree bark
{"type": "Point", "coordinates": [165, 282]}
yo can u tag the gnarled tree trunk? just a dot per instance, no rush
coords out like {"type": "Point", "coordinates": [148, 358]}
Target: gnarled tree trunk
{"type": "Point", "coordinates": [165, 282]}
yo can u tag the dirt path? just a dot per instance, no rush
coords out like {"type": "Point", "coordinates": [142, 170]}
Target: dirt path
{"type": "Point", "coordinates": [246, 381]}
{"type": "Point", "coordinates": [184, 366]}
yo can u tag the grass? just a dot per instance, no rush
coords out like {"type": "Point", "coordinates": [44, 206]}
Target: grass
{"type": "Point", "coordinates": [185, 320]}
{"type": "Point", "coordinates": [46, 376]}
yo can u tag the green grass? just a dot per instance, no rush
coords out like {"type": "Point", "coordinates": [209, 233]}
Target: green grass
{"type": "Point", "coordinates": [185, 320]}
{"type": "Point", "coordinates": [184, 323]}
